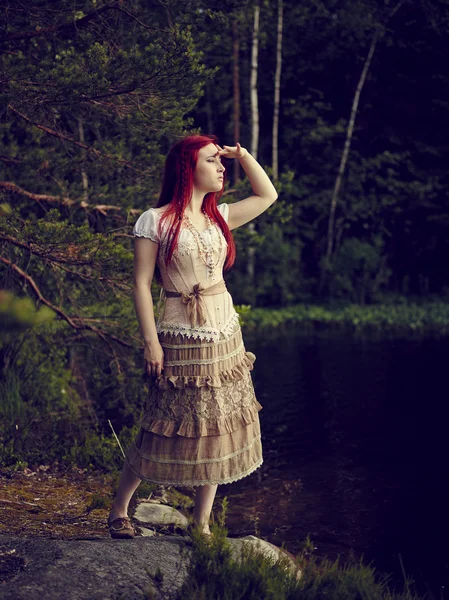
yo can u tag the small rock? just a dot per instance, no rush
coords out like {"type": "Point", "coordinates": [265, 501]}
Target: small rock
{"type": "Point", "coordinates": [160, 514]}
{"type": "Point", "coordinates": [269, 550]}
{"type": "Point", "coordinates": [147, 532]}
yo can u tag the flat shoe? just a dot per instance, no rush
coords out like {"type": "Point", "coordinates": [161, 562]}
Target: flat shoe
{"type": "Point", "coordinates": [121, 528]}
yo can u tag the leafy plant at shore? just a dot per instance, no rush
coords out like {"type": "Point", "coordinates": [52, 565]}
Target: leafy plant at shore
{"type": "Point", "coordinates": [401, 317]}
{"type": "Point", "coordinates": [216, 573]}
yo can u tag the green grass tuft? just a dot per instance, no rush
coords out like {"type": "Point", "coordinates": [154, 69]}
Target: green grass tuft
{"type": "Point", "coordinates": [216, 573]}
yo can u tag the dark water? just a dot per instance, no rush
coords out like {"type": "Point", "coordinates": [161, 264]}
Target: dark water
{"type": "Point", "coordinates": [355, 451]}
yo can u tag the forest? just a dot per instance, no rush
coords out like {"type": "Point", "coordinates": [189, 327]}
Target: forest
{"type": "Point", "coordinates": [344, 103]}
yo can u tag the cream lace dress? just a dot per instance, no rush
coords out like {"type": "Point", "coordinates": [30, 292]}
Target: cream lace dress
{"type": "Point", "coordinates": [201, 424]}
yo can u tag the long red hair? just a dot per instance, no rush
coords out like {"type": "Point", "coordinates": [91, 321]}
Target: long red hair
{"type": "Point", "coordinates": [177, 190]}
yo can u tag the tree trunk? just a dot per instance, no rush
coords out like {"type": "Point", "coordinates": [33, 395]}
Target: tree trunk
{"type": "Point", "coordinates": [277, 88]}
{"type": "Point", "coordinates": [254, 127]}
{"type": "Point", "coordinates": [349, 132]}
{"type": "Point", "coordinates": [253, 83]}
{"type": "Point", "coordinates": [84, 178]}
{"type": "Point", "coordinates": [236, 84]}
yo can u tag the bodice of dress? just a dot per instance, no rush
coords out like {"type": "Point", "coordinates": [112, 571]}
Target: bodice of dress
{"type": "Point", "coordinates": [187, 269]}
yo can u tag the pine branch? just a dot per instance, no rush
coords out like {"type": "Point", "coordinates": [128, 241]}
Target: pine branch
{"type": "Point", "coordinates": [75, 25]}
{"type": "Point", "coordinates": [78, 323]}
{"type": "Point", "coordinates": [66, 138]}
{"type": "Point", "coordinates": [8, 159]}
{"type": "Point", "coordinates": [62, 28]}
{"type": "Point", "coordinates": [62, 200]}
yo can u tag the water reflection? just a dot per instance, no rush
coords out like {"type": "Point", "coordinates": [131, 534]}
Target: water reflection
{"type": "Point", "coordinates": [355, 451]}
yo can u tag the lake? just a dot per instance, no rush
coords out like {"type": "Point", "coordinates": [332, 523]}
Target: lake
{"type": "Point", "coordinates": [354, 432]}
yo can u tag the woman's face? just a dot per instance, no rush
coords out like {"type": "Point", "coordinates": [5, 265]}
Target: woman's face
{"type": "Point", "coordinates": [208, 175]}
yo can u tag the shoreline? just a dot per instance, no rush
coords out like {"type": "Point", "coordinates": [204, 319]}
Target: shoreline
{"type": "Point", "coordinates": [405, 317]}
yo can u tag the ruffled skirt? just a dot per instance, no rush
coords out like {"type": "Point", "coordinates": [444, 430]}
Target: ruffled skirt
{"type": "Point", "coordinates": [201, 424]}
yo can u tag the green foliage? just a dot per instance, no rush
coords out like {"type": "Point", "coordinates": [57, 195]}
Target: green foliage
{"type": "Point", "coordinates": [21, 313]}
{"type": "Point", "coordinates": [358, 270]}
{"type": "Point", "coordinates": [94, 96]}
{"type": "Point", "coordinates": [98, 501]}
{"type": "Point", "coordinates": [395, 314]}
{"type": "Point", "coordinates": [216, 573]}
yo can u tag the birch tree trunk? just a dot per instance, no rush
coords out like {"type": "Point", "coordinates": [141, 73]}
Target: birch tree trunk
{"type": "Point", "coordinates": [253, 83]}
{"type": "Point", "coordinates": [236, 85]}
{"type": "Point", "coordinates": [84, 178]}
{"type": "Point", "coordinates": [254, 124]}
{"type": "Point", "coordinates": [349, 133]}
{"type": "Point", "coordinates": [277, 89]}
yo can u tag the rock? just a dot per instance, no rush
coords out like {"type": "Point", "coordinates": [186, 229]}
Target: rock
{"type": "Point", "coordinates": [159, 515]}
{"type": "Point", "coordinates": [99, 568]}
{"type": "Point", "coordinates": [269, 550]}
{"type": "Point", "coordinates": [147, 532]}
{"type": "Point", "coordinates": [32, 568]}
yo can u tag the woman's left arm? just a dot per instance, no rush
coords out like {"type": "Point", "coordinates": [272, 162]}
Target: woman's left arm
{"type": "Point", "coordinates": [264, 196]}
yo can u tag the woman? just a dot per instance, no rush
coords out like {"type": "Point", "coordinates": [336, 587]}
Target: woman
{"type": "Point", "coordinates": [201, 426]}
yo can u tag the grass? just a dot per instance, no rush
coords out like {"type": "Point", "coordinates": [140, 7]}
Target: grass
{"type": "Point", "coordinates": [216, 573]}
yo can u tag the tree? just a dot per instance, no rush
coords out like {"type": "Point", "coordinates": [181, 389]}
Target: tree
{"type": "Point", "coordinates": [254, 120]}
{"type": "Point", "coordinates": [93, 96]}
{"type": "Point", "coordinates": [349, 132]}
{"type": "Point", "coordinates": [277, 88]}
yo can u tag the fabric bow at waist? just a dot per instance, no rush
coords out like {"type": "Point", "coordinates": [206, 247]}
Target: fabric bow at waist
{"type": "Point", "coordinates": [194, 300]}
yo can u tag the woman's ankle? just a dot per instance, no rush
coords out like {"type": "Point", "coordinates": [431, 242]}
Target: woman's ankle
{"type": "Point", "coordinates": [118, 511]}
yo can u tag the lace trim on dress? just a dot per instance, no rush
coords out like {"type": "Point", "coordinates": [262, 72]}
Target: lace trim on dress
{"type": "Point", "coordinates": [205, 361]}
{"type": "Point", "coordinates": [185, 248]}
{"type": "Point", "coordinates": [203, 333]}
{"type": "Point", "coordinates": [228, 329]}
{"type": "Point", "coordinates": [198, 482]}
{"type": "Point", "coordinates": [184, 382]}
{"type": "Point", "coordinates": [197, 345]}
{"type": "Point", "coordinates": [191, 412]}
{"type": "Point", "coordinates": [189, 245]}
{"type": "Point", "coordinates": [145, 234]}
{"type": "Point", "coordinates": [201, 461]}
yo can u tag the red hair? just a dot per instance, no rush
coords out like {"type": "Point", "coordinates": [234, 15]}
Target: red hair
{"type": "Point", "coordinates": [177, 190]}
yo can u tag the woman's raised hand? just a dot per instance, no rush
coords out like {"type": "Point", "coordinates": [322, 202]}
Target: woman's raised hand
{"type": "Point", "coordinates": [232, 151]}
{"type": "Point", "coordinates": [154, 358]}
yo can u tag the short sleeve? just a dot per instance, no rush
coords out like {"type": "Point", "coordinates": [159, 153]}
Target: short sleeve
{"type": "Point", "coordinates": [146, 226]}
{"type": "Point", "coordinates": [224, 210]}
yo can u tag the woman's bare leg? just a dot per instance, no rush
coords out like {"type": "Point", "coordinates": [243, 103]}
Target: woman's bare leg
{"type": "Point", "coordinates": [128, 484]}
{"type": "Point", "coordinates": [204, 499]}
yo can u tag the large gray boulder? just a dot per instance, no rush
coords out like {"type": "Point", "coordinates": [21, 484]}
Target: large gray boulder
{"type": "Point", "coordinates": [33, 568]}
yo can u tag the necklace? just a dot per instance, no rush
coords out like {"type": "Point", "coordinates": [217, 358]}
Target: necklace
{"type": "Point", "coordinates": [206, 251]}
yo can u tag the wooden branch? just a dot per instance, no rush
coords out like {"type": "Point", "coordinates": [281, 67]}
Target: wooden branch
{"type": "Point", "coordinates": [66, 138]}
{"type": "Point", "coordinates": [37, 291]}
{"type": "Point", "coordinates": [65, 201]}
{"type": "Point", "coordinates": [118, 284]}
{"type": "Point", "coordinates": [8, 159]}
{"type": "Point", "coordinates": [59, 262]}
{"type": "Point", "coordinates": [75, 322]}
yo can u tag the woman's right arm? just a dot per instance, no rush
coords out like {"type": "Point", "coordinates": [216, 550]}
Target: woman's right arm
{"type": "Point", "coordinates": [145, 255]}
